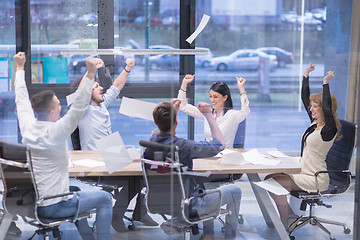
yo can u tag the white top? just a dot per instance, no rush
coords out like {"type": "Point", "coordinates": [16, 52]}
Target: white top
{"type": "Point", "coordinates": [313, 160]}
{"type": "Point", "coordinates": [47, 140]}
{"type": "Point", "coordinates": [95, 123]}
{"type": "Point", "coordinates": [227, 123]}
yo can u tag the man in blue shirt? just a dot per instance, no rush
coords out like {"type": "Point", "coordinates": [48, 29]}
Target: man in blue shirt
{"type": "Point", "coordinates": [165, 117]}
{"type": "Point", "coordinates": [96, 124]}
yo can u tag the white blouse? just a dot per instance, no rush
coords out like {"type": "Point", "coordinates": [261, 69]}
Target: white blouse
{"type": "Point", "coordinates": [228, 123]}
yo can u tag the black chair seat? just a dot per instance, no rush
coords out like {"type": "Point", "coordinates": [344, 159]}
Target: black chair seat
{"type": "Point", "coordinates": [337, 161]}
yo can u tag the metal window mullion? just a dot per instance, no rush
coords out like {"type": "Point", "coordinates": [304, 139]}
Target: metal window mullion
{"type": "Point", "coordinates": [187, 62]}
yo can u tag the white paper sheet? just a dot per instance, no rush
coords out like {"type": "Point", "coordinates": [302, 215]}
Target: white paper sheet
{"type": "Point", "coordinates": [86, 162]}
{"type": "Point", "coordinates": [272, 186]}
{"type": "Point", "coordinates": [113, 152]}
{"type": "Point", "coordinates": [253, 156]}
{"type": "Point", "coordinates": [204, 20]}
{"type": "Point", "coordinates": [277, 154]}
{"type": "Point", "coordinates": [134, 153]}
{"type": "Point", "coordinates": [137, 108]}
{"type": "Point", "coordinates": [71, 98]}
{"type": "Point", "coordinates": [231, 157]}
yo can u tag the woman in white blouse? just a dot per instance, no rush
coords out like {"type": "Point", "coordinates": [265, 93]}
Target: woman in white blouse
{"type": "Point", "coordinates": [226, 117]}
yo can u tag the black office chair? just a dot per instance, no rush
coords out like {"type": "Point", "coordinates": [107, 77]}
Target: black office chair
{"type": "Point", "coordinates": [167, 190]}
{"type": "Point", "coordinates": [21, 196]}
{"type": "Point", "coordinates": [239, 140]}
{"type": "Point", "coordinates": [337, 160]}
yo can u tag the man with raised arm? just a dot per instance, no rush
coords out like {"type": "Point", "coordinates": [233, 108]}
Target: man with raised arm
{"type": "Point", "coordinates": [96, 124]}
{"type": "Point", "coordinates": [46, 134]}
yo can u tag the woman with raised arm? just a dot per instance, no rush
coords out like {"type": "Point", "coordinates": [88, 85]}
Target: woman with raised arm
{"type": "Point", "coordinates": [315, 144]}
{"type": "Point", "coordinates": [226, 117]}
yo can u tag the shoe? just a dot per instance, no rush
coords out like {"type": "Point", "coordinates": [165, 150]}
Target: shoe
{"type": "Point", "coordinates": [173, 226]}
{"type": "Point", "coordinates": [147, 220]}
{"type": "Point", "coordinates": [119, 226]}
{"type": "Point", "coordinates": [292, 222]}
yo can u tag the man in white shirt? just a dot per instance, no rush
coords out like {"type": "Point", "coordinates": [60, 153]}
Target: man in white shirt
{"type": "Point", "coordinates": [96, 124]}
{"type": "Point", "coordinates": [46, 134]}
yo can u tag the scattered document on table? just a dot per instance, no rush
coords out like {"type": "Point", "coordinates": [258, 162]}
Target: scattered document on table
{"type": "Point", "coordinates": [253, 156]}
{"type": "Point", "coordinates": [204, 20]}
{"type": "Point", "coordinates": [134, 153]}
{"type": "Point", "coordinates": [137, 108]}
{"type": "Point", "coordinates": [86, 162]}
{"type": "Point", "coordinates": [113, 152]}
{"type": "Point", "coordinates": [277, 154]}
{"type": "Point", "coordinates": [272, 186]}
{"type": "Point", "coordinates": [229, 156]}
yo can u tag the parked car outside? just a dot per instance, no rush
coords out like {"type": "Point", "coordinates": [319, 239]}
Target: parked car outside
{"type": "Point", "coordinates": [283, 57]}
{"type": "Point", "coordinates": [158, 62]}
{"type": "Point", "coordinates": [77, 63]}
{"type": "Point", "coordinates": [203, 60]}
{"type": "Point", "coordinates": [247, 59]}
{"type": "Point", "coordinates": [161, 47]}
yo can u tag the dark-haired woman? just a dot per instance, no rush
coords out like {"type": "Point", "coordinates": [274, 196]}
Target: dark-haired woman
{"type": "Point", "coordinates": [226, 117]}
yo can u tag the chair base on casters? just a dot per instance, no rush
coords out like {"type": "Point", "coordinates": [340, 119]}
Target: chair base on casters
{"type": "Point", "coordinates": [45, 232]}
{"type": "Point", "coordinates": [174, 225]}
{"type": "Point", "coordinates": [313, 220]}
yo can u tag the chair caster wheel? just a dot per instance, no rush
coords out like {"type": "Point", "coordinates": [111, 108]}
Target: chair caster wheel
{"type": "Point", "coordinates": [332, 238]}
{"type": "Point", "coordinates": [292, 237]}
{"type": "Point", "coordinates": [223, 229]}
{"type": "Point", "coordinates": [347, 230]}
{"type": "Point", "coordinates": [241, 219]}
{"type": "Point", "coordinates": [131, 227]}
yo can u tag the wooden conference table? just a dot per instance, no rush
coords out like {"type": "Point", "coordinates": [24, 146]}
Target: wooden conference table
{"type": "Point", "coordinates": [133, 174]}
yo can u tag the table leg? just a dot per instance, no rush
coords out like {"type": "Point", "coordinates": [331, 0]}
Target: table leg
{"type": "Point", "coordinates": [134, 188]}
{"type": "Point", "coordinates": [5, 223]}
{"type": "Point", "coordinates": [270, 214]}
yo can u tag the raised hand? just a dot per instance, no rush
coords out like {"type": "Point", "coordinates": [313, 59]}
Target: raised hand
{"type": "Point", "coordinates": [204, 107]}
{"type": "Point", "coordinates": [329, 75]}
{"type": "Point", "coordinates": [130, 62]}
{"type": "Point", "coordinates": [240, 83]}
{"type": "Point", "coordinates": [93, 64]}
{"type": "Point", "coordinates": [309, 69]}
{"type": "Point", "coordinates": [176, 103]}
{"type": "Point", "coordinates": [20, 60]}
{"type": "Point", "coordinates": [188, 78]}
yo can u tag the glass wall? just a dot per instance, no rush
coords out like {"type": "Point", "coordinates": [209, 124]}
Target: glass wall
{"type": "Point", "coordinates": [269, 46]}
{"type": "Point", "coordinates": [267, 42]}
{"type": "Point", "coordinates": [261, 42]}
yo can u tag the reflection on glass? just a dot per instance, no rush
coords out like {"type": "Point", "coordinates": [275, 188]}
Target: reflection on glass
{"type": "Point", "coordinates": [149, 24]}
{"type": "Point", "coordinates": [261, 43]}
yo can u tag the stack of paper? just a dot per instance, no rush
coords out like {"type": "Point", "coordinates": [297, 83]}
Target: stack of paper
{"type": "Point", "coordinates": [229, 156]}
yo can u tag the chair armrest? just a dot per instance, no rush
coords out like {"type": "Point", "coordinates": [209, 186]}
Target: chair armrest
{"type": "Point", "coordinates": [57, 196]}
{"type": "Point", "coordinates": [329, 171]}
{"type": "Point", "coordinates": [160, 163]}
{"type": "Point", "coordinates": [188, 200]}
{"type": "Point", "coordinates": [14, 163]}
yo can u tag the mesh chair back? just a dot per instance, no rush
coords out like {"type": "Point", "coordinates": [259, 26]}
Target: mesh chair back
{"type": "Point", "coordinates": [19, 197]}
{"type": "Point", "coordinates": [75, 139]}
{"type": "Point", "coordinates": [239, 140]}
{"type": "Point", "coordinates": [163, 179]}
{"type": "Point", "coordinates": [339, 156]}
